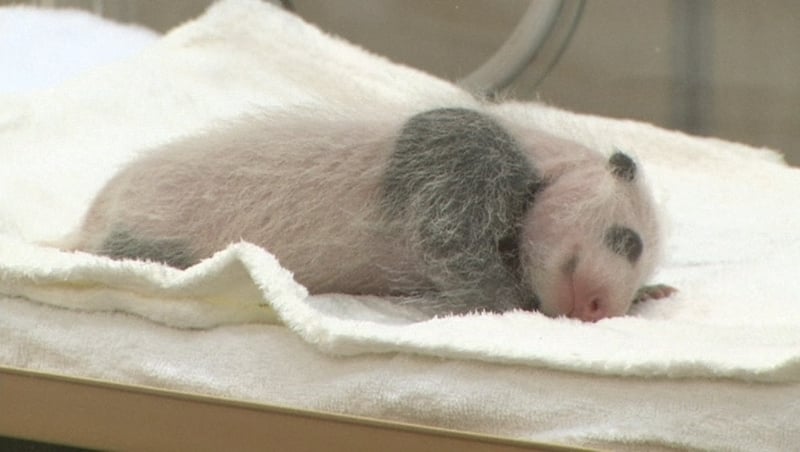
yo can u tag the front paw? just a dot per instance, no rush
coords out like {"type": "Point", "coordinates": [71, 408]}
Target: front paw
{"type": "Point", "coordinates": [653, 292]}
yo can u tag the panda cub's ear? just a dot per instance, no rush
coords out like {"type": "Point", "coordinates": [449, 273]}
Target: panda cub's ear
{"type": "Point", "coordinates": [622, 166]}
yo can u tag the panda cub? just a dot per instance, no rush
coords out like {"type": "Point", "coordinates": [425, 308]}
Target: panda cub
{"type": "Point", "coordinates": [451, 210]}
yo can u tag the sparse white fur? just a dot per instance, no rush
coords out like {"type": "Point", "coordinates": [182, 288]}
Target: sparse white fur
{"type": "Point", "coordinates": [570, 217]}
{"type": "Point", "coordinates": [305, 185]}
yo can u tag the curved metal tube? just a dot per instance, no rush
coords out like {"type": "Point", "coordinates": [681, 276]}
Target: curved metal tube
{"type": "Point", "coordinates": [517, 51]}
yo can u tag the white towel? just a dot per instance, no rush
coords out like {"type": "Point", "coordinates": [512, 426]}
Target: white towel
{"type": "Point", "coordinates": [734, 213]}
{"type": "Point", "coordinates": [733, 217]}
{"type": "Point", "coordinates": [40, 50]}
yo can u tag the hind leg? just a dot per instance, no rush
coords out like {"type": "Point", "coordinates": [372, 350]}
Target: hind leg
{"type": "Point", "coordinates": [122, 244]}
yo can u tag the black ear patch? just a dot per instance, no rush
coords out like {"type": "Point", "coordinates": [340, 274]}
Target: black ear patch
{"type": "Point", "coordinates": [624, 242]}
{"type": "Point", "coordinates": [622, 166]}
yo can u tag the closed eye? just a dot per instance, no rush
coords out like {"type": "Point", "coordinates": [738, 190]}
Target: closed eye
{"type": "Point", "coordinates": [624, 242]}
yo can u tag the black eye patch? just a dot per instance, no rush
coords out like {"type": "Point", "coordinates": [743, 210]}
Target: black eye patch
{"type": "Point", "coordinates": [624, 242]}
{"type": "Point", "coordinates": [622, 166]}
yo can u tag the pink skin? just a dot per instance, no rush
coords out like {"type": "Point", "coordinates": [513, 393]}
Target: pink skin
{"type": "Point", "coordinates": [578, 293]}
{"type": "Point", "coordinates": [654, 292]}
{"type": "Point", "coordinates": [571, 270]}
{"type": "Point", "coordinates": [589, 301]}
{"type": "Point", "coordinates": [581, 296]}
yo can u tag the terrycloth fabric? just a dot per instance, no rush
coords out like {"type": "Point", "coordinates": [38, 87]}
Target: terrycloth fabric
{"type": "Point", "coordinates": [39, 50]}
{"type": "Point", "coordinates": [723, 352]}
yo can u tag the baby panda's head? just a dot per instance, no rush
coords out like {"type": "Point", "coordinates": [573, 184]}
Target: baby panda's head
{"type": "Point", "coordinates": [590, 239]}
